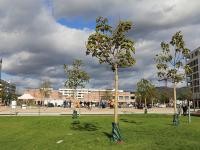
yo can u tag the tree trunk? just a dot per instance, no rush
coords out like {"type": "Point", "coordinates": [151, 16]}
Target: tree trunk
{"type": "Point", "coordinates": [166, 83]}
{"type": "Point", "coordinates": [76, 102]}
{"type": "Point", "coordinates": [194, 104]}
{"type": "Point", "coordinates": [175, 98]}
{"type": "Point", "coordinates": [116, 95]}
{"type": "Point", "coordinates": [189, 118]}
{"type": "Point", "coordinates": [74, 99]}
{"type": "Point", "coordinates": [145, 103]}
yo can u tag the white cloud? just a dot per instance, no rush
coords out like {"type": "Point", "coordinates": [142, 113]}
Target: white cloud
{"type": "Point", "coordinates": [34, 46]}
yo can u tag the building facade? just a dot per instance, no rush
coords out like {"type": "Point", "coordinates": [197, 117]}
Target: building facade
{"type": "Point", "coordinates": [97, 95]}
{"type": "Point", "coordinates": [193, 78]}
{"type": "Point", "coordinates": [40, 97]}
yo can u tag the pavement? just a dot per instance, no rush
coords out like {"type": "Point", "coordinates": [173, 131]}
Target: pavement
{"type": "Point", "coordinates": [56, 111]}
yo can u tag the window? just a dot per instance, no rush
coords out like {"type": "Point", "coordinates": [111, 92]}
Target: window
{"type": "Point", "coordinates": [193, 76]}
{"type": "Point", "coordinates": [120, 97]}
{"type": "Point", "coordinates": [126, 97]}
{"type": "Point", "coordinates": [195, 69]}
{"type": "Point", "coordinates": [197, 82]}
{"type": "Point", "coordinates": [196, 53]}
{"type": "Point", "coordinates": [196, 89]}
{"type": "Point", "coordinates": [196, 61]}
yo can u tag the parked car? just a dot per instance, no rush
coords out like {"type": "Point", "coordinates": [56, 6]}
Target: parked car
{"type": "Point", "coordinates": [50, 105]}
{"type": "Point", "coordinates": [149, 106]}
{"type": "Point", "coordinates": [130, 105]}
{"type": "Point", "coordinates": [162, 106]}
{"type": "Point", "coordinates": [24, 106]}
{"type": "Point", "coordinates": [140, 106]}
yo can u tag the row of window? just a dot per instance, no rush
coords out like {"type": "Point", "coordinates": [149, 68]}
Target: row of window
{"type": "Point", "coordinates": [195, 54]}
{"type": "Point", "coordinates": [195, 83]}
{"type": "Point", "coordinates": [193, 63]}
{"type": "Point", "coordinates": [195, 89]}
{"type": "Point", "coordinates": [195, 76]}
{"type": "Point", "coordinates": [102, 97]}
{"type": "Point", "coordinates": [195, 69]}
{"type": "Point", "coordinates": [122, 97]}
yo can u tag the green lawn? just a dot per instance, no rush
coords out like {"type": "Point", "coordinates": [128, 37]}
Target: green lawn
{"type": "Point", "coordinates": [140, 132]}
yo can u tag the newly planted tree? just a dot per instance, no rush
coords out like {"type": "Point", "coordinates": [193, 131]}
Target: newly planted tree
{"type": "Point", "coordinates": [76, 77]}
{"type": "Point", "coordinates": [111, 45]}
{"type": "Point", "coordinates": [145, 89]}
{"type": "Point", "coordinates": [171, 64]}
{"type": "Point", "coordinates": [45, 89]}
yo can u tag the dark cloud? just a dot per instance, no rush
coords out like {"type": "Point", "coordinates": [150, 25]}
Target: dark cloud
{"type": "Point", "coordinates": [147, 16]}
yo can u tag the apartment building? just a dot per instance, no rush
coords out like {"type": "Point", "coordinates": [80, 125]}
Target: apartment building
{"type": "Point", "coordinates": [97, 95]}
{"type": "Point", "coordinates": [83, 95]}
{"type": "Point", "coordinates": [193, 78]}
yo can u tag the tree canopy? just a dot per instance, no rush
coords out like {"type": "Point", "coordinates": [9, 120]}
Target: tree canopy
{"type": "Point", "coordinates": [45, 88]}
{"type": "Point", "coordinates": [75, 76]}
{"type": "Point", "coordinates": [110, 45]}
{"type": "Point", "coordinates": [145, 89]}
{"type": "Point", "coordinates": [172, 58]}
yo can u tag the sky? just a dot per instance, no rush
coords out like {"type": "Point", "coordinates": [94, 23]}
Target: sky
{"type": "Point", "coordinates": [38, 36]}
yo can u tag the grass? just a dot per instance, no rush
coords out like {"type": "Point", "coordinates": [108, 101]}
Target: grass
{"type": "Point", "coordinates": [140, 132]}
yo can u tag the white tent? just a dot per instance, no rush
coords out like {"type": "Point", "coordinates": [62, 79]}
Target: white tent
{"type": "Point", "coordinates": [26, 97]}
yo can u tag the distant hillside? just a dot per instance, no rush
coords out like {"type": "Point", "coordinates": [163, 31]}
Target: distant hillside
{"type": "Point", "coordinates": [180, 91]}
{"type": "Point", "coordinates": [162, 88]}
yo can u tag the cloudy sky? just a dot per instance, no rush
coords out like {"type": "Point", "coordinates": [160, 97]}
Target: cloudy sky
{"type": "Point", "coordinates": [38, 36]}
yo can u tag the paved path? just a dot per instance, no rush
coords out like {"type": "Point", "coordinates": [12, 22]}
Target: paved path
{"type": "Point", "coordinates": [83, 111]}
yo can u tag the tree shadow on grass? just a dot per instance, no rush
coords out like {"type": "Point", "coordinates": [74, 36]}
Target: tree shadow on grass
{"type": "Point", "coordinates": [131, 121]}
{"type": "Point", "coordinates": [84, 126]}
{"type": "Point", "coordinates": [108, 135]}
{"type": "Point", "coordinates": [172, 125]}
